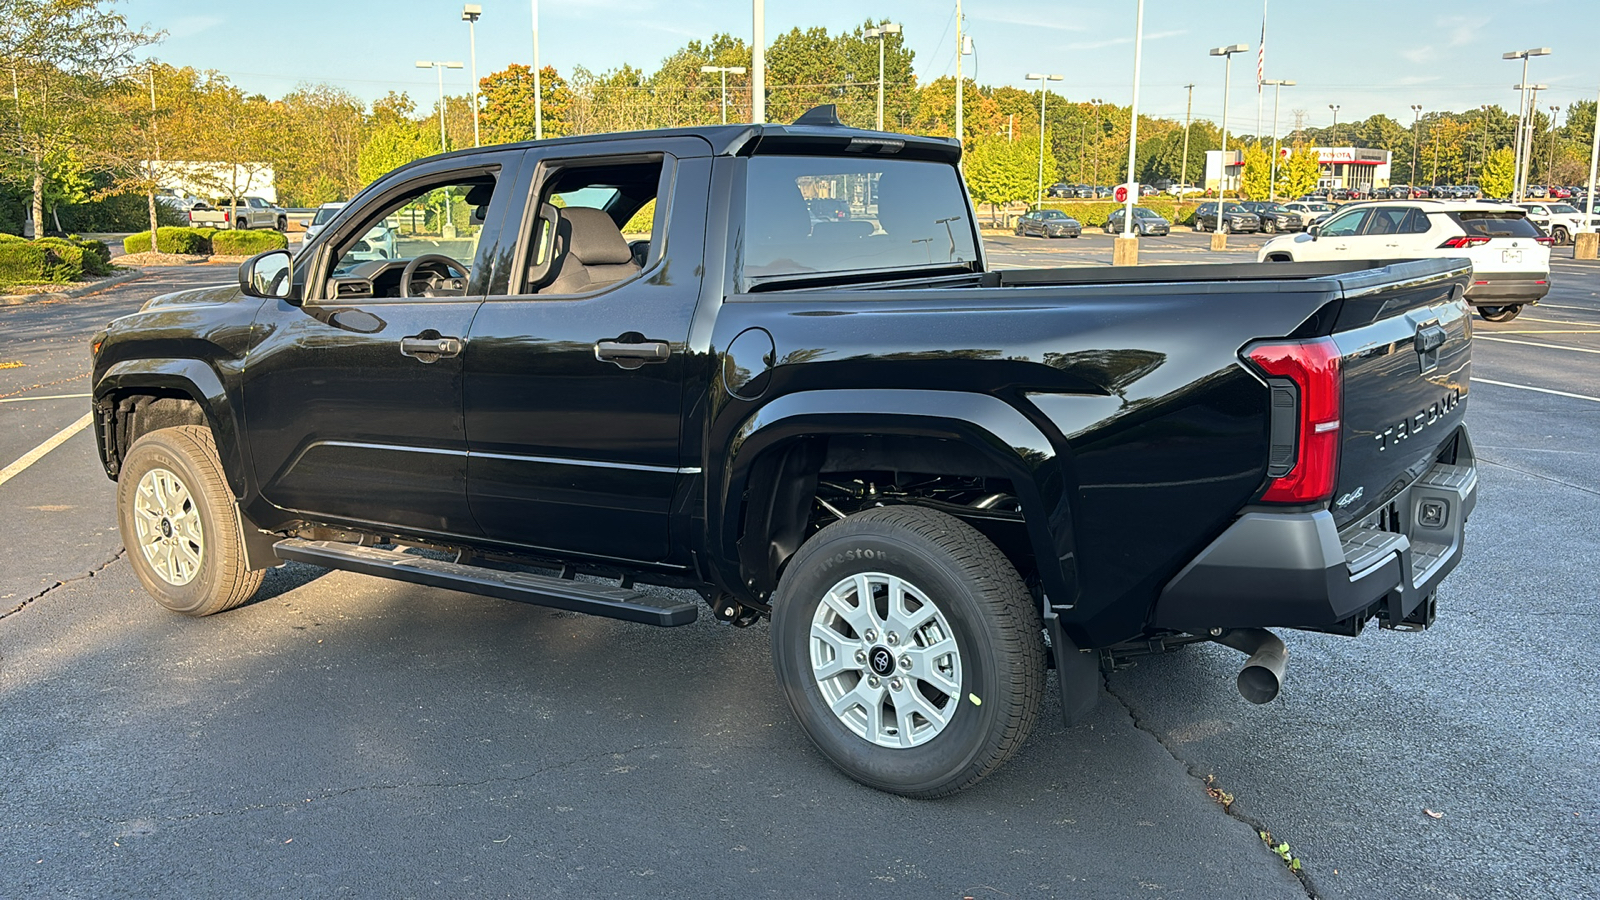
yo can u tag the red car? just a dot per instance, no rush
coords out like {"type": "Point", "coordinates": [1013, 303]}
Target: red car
{"type": "Point", "coordinates": [1561, 193]}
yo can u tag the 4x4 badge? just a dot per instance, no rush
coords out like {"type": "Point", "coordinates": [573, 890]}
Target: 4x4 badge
{"type": "Point", "coordinates": [1349, 498]}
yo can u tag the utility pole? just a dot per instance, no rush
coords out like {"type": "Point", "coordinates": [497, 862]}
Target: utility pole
{"type": "Point", "coordinates": [758, 65]}
{"type": "Point", "coordinates": [1222, 171]}
{"type": "Point", "coordinates": [1550, 173]}
{"type": "Point", "coordinates": [538, 100]}
{"type": "Point", "coordinates": [469, 14]}
{"type": "Point", "coordinates": [1524, 114]}
{"type": "Point", "coordinates": [961, 49]}
{"type": "Point", "coordinates": [1278, 84]}
{"type": "Point", "coordinates": [439, 68]}
{"type": "Point", "coordinates": [1044, 89]}
{"type": "Point", "coordinates": [1099, 133]}
{"type": "Point", "coordinates": [1416, 118]}
{"type": "Point", "coordinates": [1183, 167]}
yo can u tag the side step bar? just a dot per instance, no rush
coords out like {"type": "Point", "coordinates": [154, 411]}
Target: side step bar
{"type": "Point", "coordinates": [605, 600]}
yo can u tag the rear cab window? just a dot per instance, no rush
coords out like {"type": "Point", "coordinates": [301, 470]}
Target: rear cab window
{"type": "Point", "coordinates": [810, 215]}
{"type": "Point", "coordinates": [1495, 223]}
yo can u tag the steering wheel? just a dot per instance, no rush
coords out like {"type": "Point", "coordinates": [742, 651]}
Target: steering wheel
{"type": "Point", "coordinates": [440, 281]}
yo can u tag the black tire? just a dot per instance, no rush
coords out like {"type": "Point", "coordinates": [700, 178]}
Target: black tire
{"type": "Point", "coordinates": [1199, 226]}
{"type": "Point", "coordinates": [1499, 313]}
{"type": "Point", "coordinates": [990, 615]}
{"type": "Point", "coordinates": [1279, 258]}
{"type": "Point", "coordinates": [241, 223]}
{"type": "Point", "coordinates": [1562, 236]}
{"type": "Point", "coordinates": [283, 224]}
{"type": "Point", "coordinates": [221, 582]}
{"type": "Point", "coordinates": [1269, 227]}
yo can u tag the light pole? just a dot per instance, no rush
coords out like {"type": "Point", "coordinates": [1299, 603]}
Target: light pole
{"type": "Point", "coordinates": [1550, 173]}
{"type": "Point", "coordinates": [961, 49]}
{"type": "Point", "coordinates": [1277, 84]}
{"type": "Point", "coordinates": [758, 63]}
{"type": "Point", "coordinates": [469, 14]}
{"type": "Point", "coordinates": [439, 68]}
{"type": "Point", "coordinates": [1043, 89]}
{"type": "Point", "coordinates": [1098, 134]}
{"type": "Point", "coordinates": [1522, 112]}
{"type": "Point", "coordinates": [725, 71]}
{"type": "Point", "coordinates": [1133, 127]}
{"type": "Point", "coordinates": [1416, 119]}
{"type": "Point", "coordinates": [880, 34]}
{"type": "Point", "coordinates": [538, 101]}
{"type": "Point", "coordinates": [1333, 131]}
{"type": "Point", "coordinates": [1525, 138]}
{"type": "Point", "coordinates": [1183, 166]}
{"type": "Point", "coordinates": [1222, 174]}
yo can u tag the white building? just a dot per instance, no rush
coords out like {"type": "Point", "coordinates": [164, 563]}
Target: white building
{"type": "Point", "coordinates": [1342, 167]}
{"type": "Point", "coordinates": [213, 181]}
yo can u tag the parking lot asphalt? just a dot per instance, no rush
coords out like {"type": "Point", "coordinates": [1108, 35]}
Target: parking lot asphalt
{"type": "Point", "coordinates": [346, 735]}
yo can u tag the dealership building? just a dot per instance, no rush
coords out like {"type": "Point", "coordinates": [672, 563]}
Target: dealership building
{"type": "Point", "coordinates": [1362, 168]}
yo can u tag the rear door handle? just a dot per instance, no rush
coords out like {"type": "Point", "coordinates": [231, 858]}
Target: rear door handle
{"type": "Point", "coordinates": [430, 349]}
{"type": "Point", "coordinates": [632, 355]}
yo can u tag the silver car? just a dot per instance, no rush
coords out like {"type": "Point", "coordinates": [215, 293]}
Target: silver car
{"type": "Point", "coordinates": [1146, 222]}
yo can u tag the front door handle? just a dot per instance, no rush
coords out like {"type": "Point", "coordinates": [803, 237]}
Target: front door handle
{"type": "Point", "coordinates": [430, 347]}
{"type": "Point", "coordinates": [632, 355]}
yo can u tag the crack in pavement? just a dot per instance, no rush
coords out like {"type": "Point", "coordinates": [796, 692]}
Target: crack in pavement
{"type": "Point", "coordinates": [27, 601]}
{"type": "Point", "coordinates": [1576, 487]}
{"type": "Point", "coordinates": [1194, 772]}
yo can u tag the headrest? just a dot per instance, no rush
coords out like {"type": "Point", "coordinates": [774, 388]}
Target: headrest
{"type": "Point", "coordinates": [479, 194]}
{"type": "Point", "coordinates": [596, 240]}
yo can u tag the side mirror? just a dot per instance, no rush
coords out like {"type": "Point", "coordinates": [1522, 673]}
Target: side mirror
{"type": "Point", "coordinates": [1314, 230]}
{"type": "Point", "coordinates": [266, 275]}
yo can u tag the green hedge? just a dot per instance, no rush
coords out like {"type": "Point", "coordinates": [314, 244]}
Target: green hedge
{"type": "Point", "coordinates": [247, 243]}
{"type": "Point", "coordinates": [170, 240]}
{"type": "Point", "coordinates": [1096, 212]}
{"type": "Point", "coordinates": [47, 261]}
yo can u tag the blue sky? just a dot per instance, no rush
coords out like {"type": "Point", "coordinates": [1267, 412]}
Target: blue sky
{"type": "Point", "coordinates": [1368, 56]}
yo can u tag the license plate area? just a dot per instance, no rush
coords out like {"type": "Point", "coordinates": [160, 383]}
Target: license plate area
{"type": "Point", "coordinates": [1511, 256]}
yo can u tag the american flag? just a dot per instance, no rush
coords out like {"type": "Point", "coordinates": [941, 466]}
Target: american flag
{"type": "Point", "coordinates": [1261, 54]}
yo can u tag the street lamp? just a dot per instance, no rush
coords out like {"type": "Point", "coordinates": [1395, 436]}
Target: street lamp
{"type": "Point", "coordinates": [1416, 117]}
{"type": "Point", "coordinates": [1043, 89]}
{"type": "Point", "coordinates": [1098, 134]}
{"type": "Point", "coordinates": [1277, 84]}
{"type": "Point", "coordinates": [538, 106]}
{"type": "Point", "coordinates": [439, 68]}
{"type": "Point", "coordinates": [1183, 166]}
{"type": "Point", "coordinates": [1525, 137]}
{"type": "Point", "coordinates": [880, 34]}
{"type": "Point", "coordinates": [1333, 131]}
{"type": "Point", "coordinates": [1550, 173]}
{"type": "Point", "coordinates": [1133, 129]}
{"type": "Point", "coordinates": [726, 71]}
{"type": "Point", "coordinates": [1227, 76]}
{"type": "Point", "coordinates": [1523, 109]}
{"type": "Point", "coordinates": [469, 14]}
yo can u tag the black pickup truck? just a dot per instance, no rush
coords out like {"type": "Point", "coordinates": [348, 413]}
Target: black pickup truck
{"type": "Point", "coordinates": [768, 364]}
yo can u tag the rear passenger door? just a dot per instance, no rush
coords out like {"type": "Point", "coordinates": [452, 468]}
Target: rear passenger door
{"type": "Point", "coordinates": [574, 386]}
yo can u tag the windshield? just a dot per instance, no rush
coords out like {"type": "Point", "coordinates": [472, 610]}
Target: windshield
{"type": "Point", "coordinates": [1562, 208]}
{"type": "Point", "coordinates": [1234, 208]}
{"type": "Point", "coordinates": [895, 214]}
{"type": "Point", "coordinates": [1495, 223]}
{"type": "Point", "coordinates": [325, 215]}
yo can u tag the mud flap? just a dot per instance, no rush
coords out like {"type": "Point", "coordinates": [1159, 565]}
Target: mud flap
{"type": "Point", "coordinates": [1077, 674]}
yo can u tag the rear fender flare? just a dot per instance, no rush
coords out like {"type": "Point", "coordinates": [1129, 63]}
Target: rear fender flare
{"type": "Point", "coordinates": [191, 377]}
{"type": "Point", "coordinates": [994, 428]}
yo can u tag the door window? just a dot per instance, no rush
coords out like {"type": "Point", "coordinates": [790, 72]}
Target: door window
{"type": "Point", "coordinates": [1388, 220]}
{"type": "Point", "coordinates": [595, 228]}
{"type": "Point", "coordinates": [1345, 224]}
{"type": "Point", "coordinates": [434, 218]}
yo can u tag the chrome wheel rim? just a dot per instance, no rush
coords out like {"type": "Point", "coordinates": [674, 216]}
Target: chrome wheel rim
{"type": "Point", "coordinates": [167, 525]}
{"type": "Point", "coordinates": [886, 660]}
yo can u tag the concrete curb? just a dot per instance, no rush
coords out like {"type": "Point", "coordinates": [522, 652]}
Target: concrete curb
{"type": "Point", "coordinates": [77, 291]}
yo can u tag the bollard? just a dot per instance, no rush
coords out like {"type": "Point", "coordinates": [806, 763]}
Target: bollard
{"type": "Point", "coordinates": [1219, 240]}
{"type": "Point", "coordinates": [1586, 245]}
{"type": "Point", "coordinates": [1125, 251]}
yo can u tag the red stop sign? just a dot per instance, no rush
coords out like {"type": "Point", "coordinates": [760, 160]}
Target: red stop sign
{"type": "Point", "coordinates": [1121, 193]}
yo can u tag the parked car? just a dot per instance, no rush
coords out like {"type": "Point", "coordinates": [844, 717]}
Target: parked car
{"type": "Point", "coordinates": [1060, 190]}
{"type": "Point", "coordinates": [1184, 190]}
{"type": "Point", "coordinates": [917, 491]}
{"type": "Point", "coordinates": [380, 242]}
{"type": "Point", "coordinates": [1235, 218]}
{"type": "Point", "coordinates": [245, 212]}
{"type": "Point", "coordinates": [320, 219]}
{"type": "Point", "coordinates": [1560, 193]}
{"type": "Point", "coordinates": [1559, 220]}
{"type": "Point", "coordinates": [1510, 257]}
{"type": "Point", "coordinates": [1146, 222]}
{"type": "Point", "coordinates": [1309, 211]}
{"type": "Point", "coordinates": [1049, 223]}
{"type": "Point", "coordinates": [1275, 217]}
{"type": "Point", "coordinates": [1536, 190]}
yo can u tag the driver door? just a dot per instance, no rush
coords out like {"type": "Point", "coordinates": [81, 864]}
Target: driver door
{"type": "Point", "coordinates": [353, 395]}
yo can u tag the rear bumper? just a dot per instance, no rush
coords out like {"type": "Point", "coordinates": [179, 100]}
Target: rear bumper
{"type": "Point", "coordinates": [1495, 289]}
{"type": "Point", "coordinates": [1299, 570]}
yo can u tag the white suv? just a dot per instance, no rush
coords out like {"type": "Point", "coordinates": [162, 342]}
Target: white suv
{"type": "Point", "coordinates": [1559, 220]}
{"type": "Point", "coordinates": [1510, 257]}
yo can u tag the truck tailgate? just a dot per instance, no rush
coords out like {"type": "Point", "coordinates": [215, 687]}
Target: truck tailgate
{"type": "Point", "coordinates": [1405, 351]}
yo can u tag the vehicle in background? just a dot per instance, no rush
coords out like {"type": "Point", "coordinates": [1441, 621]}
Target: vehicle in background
{"type": "Point", "coordinates": [1235, 218]}
{"type": "Point", "coordinates": [1560, 193]}
{"type": "Point", "coordinates": [1102, 193]}
{"type": "Point", "coordinates": [1537, 191]}
{"type": "Point", "coordinates": [1146, 222]}
{"type": "Point", "coordinates": [828, 209]}
{"type": "Point", "coordinates": [1510, 257]}
{"type": "Point", "coordinates": [247, 212]}
{"type": "Point", "coordinates": [1050, 223]}
{"type": "Point", "coordinates": [378, 243]}
{"type": "Point", "coordinates": [1275, 217]}
{"type": "Point", "coordinates": [1149, 190]}
{"type": "Point", "coordinates": [1061, 190]}
{"type": "Point", "coordinates": [182, 203]}
{"type": "Point", "coordinates": [1309, 211]}
{"type": "Point", "coordinates": [322, 217]}
{"type": "Point", "coordinates": [1184, 190]}
{"type": "Point", "coordinates": [1559, 220]}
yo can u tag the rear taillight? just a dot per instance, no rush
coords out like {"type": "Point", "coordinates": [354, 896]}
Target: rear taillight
{"type": "Point", "coordinates": [1463, 241]}
{"type": "Point", "coordinates": [1306, 376]}
{"type": "Point", "coordinates": [1547, 241]}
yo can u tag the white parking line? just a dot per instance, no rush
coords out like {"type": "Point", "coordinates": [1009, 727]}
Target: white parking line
{"type": "Point", "coordinates": [1501, 340]}
{"type": "Point", "coordinates": [37, 453]}
{"type": "Point", "coordinates": [46, 397]}
{"type": "Point", "coordinates": [1524, 387]}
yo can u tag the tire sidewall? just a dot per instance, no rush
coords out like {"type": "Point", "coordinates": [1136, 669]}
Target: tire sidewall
{"type": "Point", "coordinates": [824, 562]}
{"type": "Point", "coordinates": [155, 451]}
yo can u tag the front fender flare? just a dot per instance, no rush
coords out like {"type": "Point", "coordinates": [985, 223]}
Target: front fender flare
{"type": "Point", "coordinates": [191, 377]}
{"type": "Point", "coordinates": [999, 431]}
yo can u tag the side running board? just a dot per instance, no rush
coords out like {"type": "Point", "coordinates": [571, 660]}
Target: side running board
{"type": "Point", "coordinates": [605, 600]}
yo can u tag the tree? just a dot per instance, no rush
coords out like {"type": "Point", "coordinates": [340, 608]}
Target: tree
{"type": "Point", "coordinates": [1498, 173]}
{"type": "Point", "coordinates": [1255, 182]}
{"type": "Point", "coordinates": [506, 99]}
{"type": "Point", "coordinates": [392, 145]}
{"type": "Point", "coordinates": [1000, 171]}
{"type": "Point", "coordinates": [1298, 174]}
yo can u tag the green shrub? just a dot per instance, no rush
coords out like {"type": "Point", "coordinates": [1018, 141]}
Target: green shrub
{"type": "Point", "coordinates": [90, 257]}
{"type": "Point", "coordinates": [49, 261]}
{"type": "Point", "coordinates": [119, 212]}
{"type": "Point", "coordinates": [247, 243]}
{"type": "Point", "coordinates": [10, 237]}
{"type": "Point", "coordinates": [169, 240]}
{"type": "Point", "coordinates": [206, 231]}
{"type": "Point", "coordinates": [1096, 212]}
